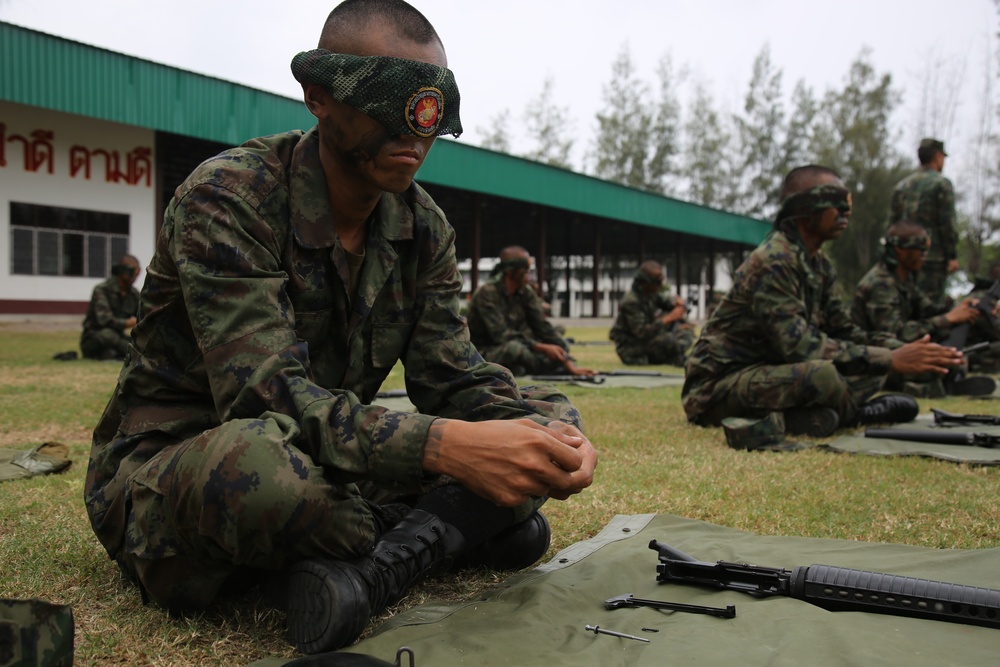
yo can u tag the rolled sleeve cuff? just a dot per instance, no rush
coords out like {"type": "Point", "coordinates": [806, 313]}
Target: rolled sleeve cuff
{"type": "Point", "coordinates": [397, 455]}
{"type": "Point", "coordinates": [879, 360]}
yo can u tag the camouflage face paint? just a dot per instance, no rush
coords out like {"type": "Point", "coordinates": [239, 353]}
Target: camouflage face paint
{"type": "Point", "coordinates": [406, 96]}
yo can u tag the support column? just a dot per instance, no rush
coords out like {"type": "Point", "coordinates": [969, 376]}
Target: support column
{"type": "Point", "coordinates": [595, 274]}
{"type": "Point", "coordinates": [477, 217]}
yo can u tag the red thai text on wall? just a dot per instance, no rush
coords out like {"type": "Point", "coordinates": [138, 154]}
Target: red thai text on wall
{"type": "Point", "coordinates": [132, 168]}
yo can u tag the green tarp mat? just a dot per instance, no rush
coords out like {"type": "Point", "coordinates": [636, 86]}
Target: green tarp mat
{"type": "Point", "coordinates": [537, 618]}
{"type": "Point", "coordinates": [857, 443]}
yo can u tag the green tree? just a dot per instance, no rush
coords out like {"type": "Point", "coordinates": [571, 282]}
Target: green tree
{"type": "Point", "coordinates": [636, 136]}
{"type": "Point", "coordinates": [708, 163]}
{"type": "Point", "coordinates": [547, 126]}
{"type": "Point", "coordinates": [854, 135]}
{"type": "Point", "coordinates": [797, 144]}
{"type": "Point", "coordinates": [496, 137]}
{"type": "Point", "coordinates": [759, 131]}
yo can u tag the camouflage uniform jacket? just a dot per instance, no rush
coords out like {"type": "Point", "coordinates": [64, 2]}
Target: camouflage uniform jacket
{"type": "Point", "coordinates": [783, 308]}
{"type": "Point", "coordinates": [109, 308]}
{"type": "Point", "coordinates": [638, 320]}
{"type": "Point", "coordinates": [245, 314]}
{"type": "Point", "coordinates": [928, 198]}
{"type": "Point", "coordinates": [883, 303]}
{"type": "Point", "coordinates": [496, 317]}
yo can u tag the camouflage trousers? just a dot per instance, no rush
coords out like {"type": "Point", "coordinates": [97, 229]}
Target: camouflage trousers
{"type": "Point", "coordinates": [219, 512]}
{"type": "Point", "coordinates": [667, 347]}
{"type": "Point", "coordinates": [517, 356]}
{"type": "Point", "coordinates": [931, 279]}
{"type": "Point", "coordinates": [758, 390]}
{"type": "Point", "coordinates": [104, 343]}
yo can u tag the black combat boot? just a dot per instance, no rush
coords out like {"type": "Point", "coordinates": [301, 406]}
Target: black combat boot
{"type": "Point", "coordinates": [813, 421]}
{"type": "Point", "coordinates": [329, 603]}
{"type": "Point", "coordinates": [972, 385]}
{"type": "Point", "coordinates": [888, 409]}
{"type": "Point", "coordinates": [513, 548]}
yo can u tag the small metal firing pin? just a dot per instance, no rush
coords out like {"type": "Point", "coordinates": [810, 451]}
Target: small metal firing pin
{"type": "Point", "coordinates": [596, 629]}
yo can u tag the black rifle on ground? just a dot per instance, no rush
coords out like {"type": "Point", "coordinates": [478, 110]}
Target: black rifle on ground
{"type": "Point", "coordinates": [645, 374]}
{"type": "Point", "coordinates": [593, 379]}
{"type": "Point", "coordinates": [838, 588]}
{"type": "Point", "coordinates": [936, 436]}
{"type": "Point", "coordinates": [945, 418]}
{"type": "Point", "coordinates": [391, 393]}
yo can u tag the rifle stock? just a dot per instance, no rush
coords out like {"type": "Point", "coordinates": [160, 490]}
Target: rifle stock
{"type": "Point", "coordinates": [838, 588]}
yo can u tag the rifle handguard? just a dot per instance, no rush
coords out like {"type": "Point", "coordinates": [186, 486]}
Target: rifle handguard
{"type": "Point", "coordinates": [839, 588]}
{"type": "Point", "coordinates": [845, 589]}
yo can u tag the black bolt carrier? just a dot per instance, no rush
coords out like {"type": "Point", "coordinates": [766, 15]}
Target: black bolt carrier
{"type": "Point", "coordinates": [628, 600]}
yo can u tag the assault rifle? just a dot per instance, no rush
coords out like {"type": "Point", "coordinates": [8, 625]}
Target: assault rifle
{"type": "Point", "coordinates": [569, 377]}
{"type": "Point", "coordinates": [838, 588]}
{"type": "Point", "coordinates": [936, 436]}
{"type": "Point", "coordinates": [945, 418]}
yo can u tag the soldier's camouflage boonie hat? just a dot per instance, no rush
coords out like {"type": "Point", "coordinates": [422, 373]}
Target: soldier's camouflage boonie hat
{"type": "Point", "coordinates": [747, 433]}
{"type": "Point", "coordinates": [766, 433]}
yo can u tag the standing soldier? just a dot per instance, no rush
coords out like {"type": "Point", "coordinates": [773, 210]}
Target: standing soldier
{"type": "Point", "coordinates": [928, 198]}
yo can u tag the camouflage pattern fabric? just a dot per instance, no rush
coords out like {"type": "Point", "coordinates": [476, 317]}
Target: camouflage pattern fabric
{"type": "Point", "coordinates": [928, 198]}
{"type": "Point", "coordinates": [406, 96]}
{"type": "Point", "coordinates": [639, 335]}
{"type": "Point", "coordinates": [504, 327]}
{"type": "Point", "coordinates": [810, 201]}
{"type": "Point", "coordinates": [240, 435]}
{"type": "Point", "coordinates": [985, 361]}
{"type": "Point", "coordinates": [104, 324]}
{"type": "Point", "coordinates": [883, 303]}
{"type": "Point", "coordinates": [782, 338]}
{"type": "Point", "coordinates": [35, 633]}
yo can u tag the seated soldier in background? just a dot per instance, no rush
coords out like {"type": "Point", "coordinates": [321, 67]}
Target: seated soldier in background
{"type": "Point", "coordinates": [782, 339]}
{"type": "Point", "coordinates": [508, 324]}
{"type": "Point", "coordinates": [988, 360]}
{"type": "Point", "coordinates": [650, 327]}
{"type": "Point", "coordinates": [113, 307]}
{"type": "Point", "coordinates": [888, 299]}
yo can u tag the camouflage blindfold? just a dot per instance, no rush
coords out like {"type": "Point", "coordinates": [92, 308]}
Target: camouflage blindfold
{"type": "Point", "coordinates": [642, 279]}
{"type": "Point", "coordinates": [917, 242]}
{"type": "Point", "coordinates": [406, 96]}
{"type": "Point", "coordinates": [506, 265]}
{"type": "Point", "coordinates": [814, 200]}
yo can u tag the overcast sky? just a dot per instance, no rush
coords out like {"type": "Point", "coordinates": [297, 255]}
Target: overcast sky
{"type": "Point", "coordinates": [502, 52]}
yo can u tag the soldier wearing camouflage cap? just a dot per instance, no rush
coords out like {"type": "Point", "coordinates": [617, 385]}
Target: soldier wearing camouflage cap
{"type": "Point", "coordinates": [290, 276]}
{"type": "Point", "coordinates": [928, 198]}
{"type": "Point", "coordinates": [782, 338]}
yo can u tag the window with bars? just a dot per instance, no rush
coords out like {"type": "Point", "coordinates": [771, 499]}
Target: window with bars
{"type": "Point", "coordinates": [56, 241]}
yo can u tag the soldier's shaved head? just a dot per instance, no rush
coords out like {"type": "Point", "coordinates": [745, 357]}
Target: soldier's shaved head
{"type": "Point", "coordinates": [513, 252]}
{"type": "Point", "coordinates": [349, 22]}
{"type": "Point", "coordinates": [805, 177]}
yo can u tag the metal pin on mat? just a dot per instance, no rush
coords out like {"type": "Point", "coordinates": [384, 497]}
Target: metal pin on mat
{"type": "Point", "coordinates": [596, 629]}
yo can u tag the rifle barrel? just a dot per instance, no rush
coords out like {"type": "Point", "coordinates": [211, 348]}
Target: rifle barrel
{"type": "Point", "coordinates": [938, 437]}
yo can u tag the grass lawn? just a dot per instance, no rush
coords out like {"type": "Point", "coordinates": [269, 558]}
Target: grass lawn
{"type": "Point", "coordinates": [652, 461]}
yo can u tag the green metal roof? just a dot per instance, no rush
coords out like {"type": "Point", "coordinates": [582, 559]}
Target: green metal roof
{"type": "Point", "coordinates": [42, 70]}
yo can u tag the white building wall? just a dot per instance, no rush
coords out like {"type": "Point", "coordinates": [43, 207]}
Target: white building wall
{"type": "Point", "coordinates": [43, 156]}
